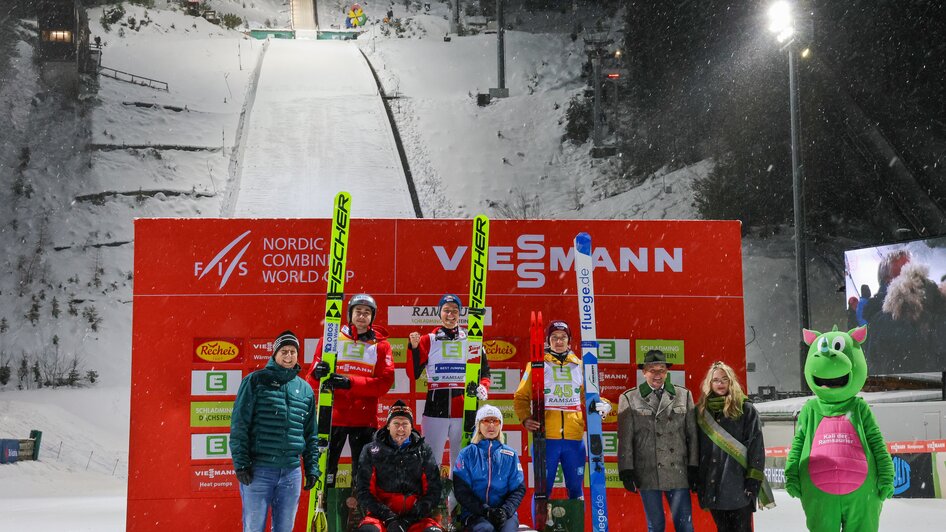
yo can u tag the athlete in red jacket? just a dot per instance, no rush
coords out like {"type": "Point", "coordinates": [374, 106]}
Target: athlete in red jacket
{"type": "Point", "coordinates": [364, 372]}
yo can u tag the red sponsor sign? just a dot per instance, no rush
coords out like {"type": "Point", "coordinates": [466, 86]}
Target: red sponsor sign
{"type": "Point", "coordinates": [918, 446]}
{"type": "Point", "coordinates": [260, 349]}
{"type": "Point", "coordinates": [245, 281]}
{"type": "Point", "coordinates": [777, 452]}
{"type": "Point", "coordinates": [894, 447]}
{"type": "Point", "coordinates": [216, 478]}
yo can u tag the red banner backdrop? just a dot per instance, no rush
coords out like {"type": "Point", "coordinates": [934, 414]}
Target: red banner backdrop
{"type": "Point", "coordinates": [211, 294]}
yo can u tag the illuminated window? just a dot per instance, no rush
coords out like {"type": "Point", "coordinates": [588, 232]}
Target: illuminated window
{"type": "Point", "coordinates": [57, 36]}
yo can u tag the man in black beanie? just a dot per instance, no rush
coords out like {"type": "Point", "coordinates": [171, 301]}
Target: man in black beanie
{"type": "Point", "coordinates": [398, 481]}
{"type": "Point", "coordinates": [272, 425]}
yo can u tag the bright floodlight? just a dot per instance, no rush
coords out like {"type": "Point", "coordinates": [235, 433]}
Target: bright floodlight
{"type": "Point", "coordinates": [781, 22]}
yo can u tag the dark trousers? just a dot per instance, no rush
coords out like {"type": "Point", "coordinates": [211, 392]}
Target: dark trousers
{"type": "Point", "coordinates": [733, 520]}
{"type": "Point", "coordinates": [357, 438]}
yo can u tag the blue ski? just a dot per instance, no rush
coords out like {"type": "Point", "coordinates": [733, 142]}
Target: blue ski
{"type": "Point", "coordinates": [589, 358]}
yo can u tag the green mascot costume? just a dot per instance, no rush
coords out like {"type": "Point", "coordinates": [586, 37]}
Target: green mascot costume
{"type": "Point", "coordinates": [838, 465]}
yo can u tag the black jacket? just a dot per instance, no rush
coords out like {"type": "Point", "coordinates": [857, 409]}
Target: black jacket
{"type": "Point", "coordinates": [722, 480]}
{"type": "Point", "coordinates": [396, 481]}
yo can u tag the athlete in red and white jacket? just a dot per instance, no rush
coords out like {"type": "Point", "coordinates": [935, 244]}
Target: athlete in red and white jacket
{"type": "Point", "coordinates": [444, 352]}
{"type": "Point", "coordinates": [364, 372]}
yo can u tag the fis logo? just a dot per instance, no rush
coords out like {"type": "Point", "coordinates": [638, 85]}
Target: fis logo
{"type": "Point", "coordinates": [223, 265]}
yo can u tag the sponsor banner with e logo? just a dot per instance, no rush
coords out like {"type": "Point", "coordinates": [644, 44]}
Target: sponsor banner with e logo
{"type": "Point", "coordinates": [210, 446]}
{"type": "Point", "coordinates": [614, 351]}
{"type": "Point", "coordinates": [215, 382]}
{"type": "Point", "coordinates": [503, 381]}
{"type": "Point", "coordinates": [211, 413]}
{"type": "Point", "coordinates": [218, 350]}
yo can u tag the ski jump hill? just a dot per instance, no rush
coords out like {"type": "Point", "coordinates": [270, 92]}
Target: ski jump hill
{"type": "Point", "coordinates": [315, 124]}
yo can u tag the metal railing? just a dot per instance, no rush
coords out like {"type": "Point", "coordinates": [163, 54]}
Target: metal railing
{"type": "Point", "coordinates": [128, 77]}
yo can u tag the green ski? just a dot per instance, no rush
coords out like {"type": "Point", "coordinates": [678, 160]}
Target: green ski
{"type": "Point", "coordinates": [479, 260]}
{"type": "Point", "coordinates": [335, 292]}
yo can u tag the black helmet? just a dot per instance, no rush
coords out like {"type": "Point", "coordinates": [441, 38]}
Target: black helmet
{"type": "Point", "coordinates": [362, 299]}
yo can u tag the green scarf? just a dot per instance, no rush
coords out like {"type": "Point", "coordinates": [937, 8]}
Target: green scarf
{"type": "Point", "coordinates": [738, 451]}
{"type": "Point", "coordinates": [715, 404]}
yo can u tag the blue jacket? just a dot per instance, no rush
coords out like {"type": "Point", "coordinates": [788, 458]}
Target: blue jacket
{"type": "Point", "coordinates": [487, 474]}
{"type": "Point", "coordinates": [273, 421]}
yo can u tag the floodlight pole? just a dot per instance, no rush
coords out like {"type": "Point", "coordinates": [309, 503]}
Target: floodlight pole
{"type": "Point", "coordinates": [798, 184]}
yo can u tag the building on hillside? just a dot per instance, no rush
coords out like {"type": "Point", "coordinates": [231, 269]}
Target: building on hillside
{"type": "Point", "coordinates": [64, 50]}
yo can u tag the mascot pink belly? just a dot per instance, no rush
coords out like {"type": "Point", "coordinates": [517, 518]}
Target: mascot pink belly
{"type": "Point", "coordinates": [837, 463]}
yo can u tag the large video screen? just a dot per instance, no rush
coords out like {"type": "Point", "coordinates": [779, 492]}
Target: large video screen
{"type": "Point", "coordinates": [899, 292]}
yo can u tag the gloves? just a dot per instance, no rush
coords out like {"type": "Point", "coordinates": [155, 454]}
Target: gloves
{"type": "Point", "coordinates": [245, 475]}
{"type": "Point", "coordinates": [337, 382]}
{"type": "Point", "coordinates": [603, 408]}
{"type": "Point", "coordinates": [310, 481]}
{"type": "Point", "coordinates": [627, 477]}
{"type": "Point", "coordinates": [693, 477]}
{"type": "Point", "coordinates": [321, 370]}
{"type": "Point", "coordinates": [395, 524]}
{"type": "Point", "coordinates": [482, 393]}
{"type": "Point", "coordinates": [752, 487]}
{"type": "Point", "coordinates": [886, 491]}
{"type": "Point", "coordinates": [497, 516]}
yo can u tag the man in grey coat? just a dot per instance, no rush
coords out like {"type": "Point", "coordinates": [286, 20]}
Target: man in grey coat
{"type": "Point", "coordinates": [658, 450]}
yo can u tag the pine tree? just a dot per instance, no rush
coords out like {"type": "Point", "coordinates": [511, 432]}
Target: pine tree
{"type": "Point", "coordinates": [33, 313]}
{"type": "Point", "coordinates": [23, 372]}
{"type": "Point", "coordinates": [55, 307]}
{"type": "Point", "coordinates": [37, 376]}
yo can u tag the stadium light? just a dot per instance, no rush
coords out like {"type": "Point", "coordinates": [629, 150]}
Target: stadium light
{"type": "Point", "coordinates": [782, 25]}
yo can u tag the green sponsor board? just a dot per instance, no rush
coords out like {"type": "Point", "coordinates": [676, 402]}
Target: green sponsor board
{"type": "Point", "coordinates": [211, 413]}
{"type": "Point", "coordinates": [672, 349]}
{"type": "Point", "coordinates": [343, 476]}
{"type": "Point", "coordinates": [420, 386]}
{"type": "Point", "coordinates": [398, 350]}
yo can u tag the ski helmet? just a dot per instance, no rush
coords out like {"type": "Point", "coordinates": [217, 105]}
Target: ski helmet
{"type": "Point", "coordinates": [362, 299]}
{"type": "Point", "coordinates": [557, 325]}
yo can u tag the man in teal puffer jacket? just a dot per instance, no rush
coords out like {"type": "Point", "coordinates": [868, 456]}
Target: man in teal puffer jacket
{"type": "Point", "coordinates": [273, 423]}
{"type": "Point", "coordinates": [487, 478]}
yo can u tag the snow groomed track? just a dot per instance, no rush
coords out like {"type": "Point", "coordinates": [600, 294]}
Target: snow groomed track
{"type": "Point", "coordinates": [318, 126]}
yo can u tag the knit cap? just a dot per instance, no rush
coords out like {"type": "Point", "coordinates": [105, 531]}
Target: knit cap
{"type": "Point", "coordinates": [399, 409]}
{"type": "Point", "coordinates": [449, 298]}
{"type": "Point", "coordinates": [486, 411]}
{"type": "Point", "coordinates": [285, 338]}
